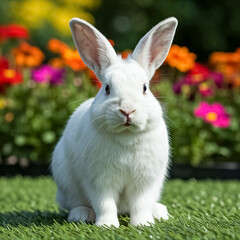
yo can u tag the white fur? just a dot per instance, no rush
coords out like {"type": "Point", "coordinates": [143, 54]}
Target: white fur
{"type": "Point", "coordinates": [102, 167]}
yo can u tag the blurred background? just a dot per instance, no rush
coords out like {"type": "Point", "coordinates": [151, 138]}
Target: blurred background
{"type": "Point", "coordinates": [42, 78]}
{"type": "Point", "coordinates": [204, 26]}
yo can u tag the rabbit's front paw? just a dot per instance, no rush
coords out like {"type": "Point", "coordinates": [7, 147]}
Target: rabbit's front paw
{"type": "Point", "coordinates": [107, 222]}
{"type": "Point", "coordinates": [81, 213]}
{"type": "Point", "coordinates": [145, 220]}
{"type": "Point", "coordinates": [160, 211]}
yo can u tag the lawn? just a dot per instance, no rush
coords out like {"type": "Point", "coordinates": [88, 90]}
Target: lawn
{"type": "Point", "coordinates": [200, 210]}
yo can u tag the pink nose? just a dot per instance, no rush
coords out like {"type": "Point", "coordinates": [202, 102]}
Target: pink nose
{"type": "Point", "coordinates": [126, 113]}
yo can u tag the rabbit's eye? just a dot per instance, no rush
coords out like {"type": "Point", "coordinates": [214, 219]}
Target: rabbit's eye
{"type": "Point", "coordinates": [144, 88]}
{"type": "Point", "coordinates": [107, 89]}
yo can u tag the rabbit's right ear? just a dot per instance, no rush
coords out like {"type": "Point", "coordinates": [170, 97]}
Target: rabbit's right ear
{"type": "Point", "coordinates": [94, 49]}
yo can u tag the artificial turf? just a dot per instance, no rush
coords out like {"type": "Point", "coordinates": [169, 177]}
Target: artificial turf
{"type": "Point", "coordinates": [200, 210]}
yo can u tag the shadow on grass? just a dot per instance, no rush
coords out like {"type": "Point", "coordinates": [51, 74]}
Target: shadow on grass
{"type": "Point", "coordinates": [14, 219]}
{"type": "Point", "coordinates": [27, 218]}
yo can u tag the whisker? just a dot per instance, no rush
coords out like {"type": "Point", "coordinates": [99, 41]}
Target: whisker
{"type": "Point", "coordinates": [171, 121]}
{"type": "Point", "coordinates": [164, 116]}
{"type": "Point", "coordinates": [180, 100]}
{"type": "Point", "coordinates": [97, 118]}
{"type": "Point", "coordinates": [81, 100]}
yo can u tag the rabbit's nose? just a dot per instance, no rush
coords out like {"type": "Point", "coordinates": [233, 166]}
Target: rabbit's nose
{"type": "Point", "coordinates": [126, 113]}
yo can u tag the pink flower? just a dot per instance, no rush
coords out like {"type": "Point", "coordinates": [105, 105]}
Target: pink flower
{"type": "Point", "coordinates": [205, 89]}
{"type": "Point", "coordinates": [217, 78]}
{"type": "Point", "coordinates": [47, 73]}
{"type": "Point", "coordinates": [214, 114]}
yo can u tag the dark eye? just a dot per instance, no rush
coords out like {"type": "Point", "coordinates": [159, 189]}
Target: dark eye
{"type": "Point", "coordinates": [144, 88]}
{"type": "Point", "coordinates": [107, 89]}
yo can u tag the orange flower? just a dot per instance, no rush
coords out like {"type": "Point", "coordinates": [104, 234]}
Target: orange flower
{"type": "Point", "coordinates": [9, 117]}
{"type": "Point", "coordinates": [125, 53]}
{"type": "Point", "coordinates": [57, 62]}
{"type": "Point", "coordinates": [225, 58]}
{"type": "Point", "coordinates": [111, 42]}
{"type": "Point", "coordinates": [228, 63]}
{"type": "Point", "coordinates": [57, 46]}
{"type": "Point", "coordinates": [69, 57]}
{"type": "Point", "coordinates": [28, 55]}
{"type": "Point", "coordinates": [181, 58]}
{"type": "Point", "coordinates": [73, 60]}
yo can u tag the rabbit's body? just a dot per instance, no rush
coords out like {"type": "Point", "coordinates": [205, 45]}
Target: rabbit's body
{"type": "Point", "coordinates": [113, 155]}
{"type": "Point", "coordinates": [122, 166]}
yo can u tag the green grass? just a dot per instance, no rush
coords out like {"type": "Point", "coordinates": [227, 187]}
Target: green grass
{"type": "Point", "coordinates": [199, 209]}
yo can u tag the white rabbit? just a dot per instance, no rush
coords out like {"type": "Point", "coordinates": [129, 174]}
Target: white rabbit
{"type": "Point", "coordinates": [113, 155]}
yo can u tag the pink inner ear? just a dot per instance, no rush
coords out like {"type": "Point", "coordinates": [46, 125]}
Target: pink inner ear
{"type": "Point", "coordinates": [158, 46]}
{"type": "Point", "coordinates": [161, 43]}
{"type": "Point", "coordinates": [88, 45]}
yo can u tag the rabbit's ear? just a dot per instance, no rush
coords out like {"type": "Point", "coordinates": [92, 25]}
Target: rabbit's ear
{"type": "Point", "coordinates": [94, 49]}
{"type": "Point", "coordinates": [153, 48]}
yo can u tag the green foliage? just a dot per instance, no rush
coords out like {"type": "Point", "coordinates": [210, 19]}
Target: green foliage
{"type": "Point", "coordinates": [199, 209]}
{"type": "Point", "coordinates": [193, 140]}
{"type": "Point", "coordinates": [35, 115]}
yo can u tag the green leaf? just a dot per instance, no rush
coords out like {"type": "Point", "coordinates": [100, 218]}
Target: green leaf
{"type": "Point", "coordinates": [20, 140]}
{"type": "Point", "coordinates": [49, 137]}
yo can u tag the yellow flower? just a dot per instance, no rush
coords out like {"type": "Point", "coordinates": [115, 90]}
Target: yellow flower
{"type": "Point", "coordinates": [61, 17]}
{"type": "Point", "coordinates": [84, 3]}
{"type": "Point", "coordinates": [36, 13]}
{"type": "Point", "coordinates": [3, 103]}
{"type": "Point", "coordinates": [32, 13]}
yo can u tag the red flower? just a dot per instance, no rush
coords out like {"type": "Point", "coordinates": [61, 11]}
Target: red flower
{"type": "Point", "coordinates": [4, 64]}
{"type": "Point", "coordinates": [10, 77]}
{"type": "Point", "coordinates": [197, 74]}
{"type": "Point", "coordinates": [13, 31]}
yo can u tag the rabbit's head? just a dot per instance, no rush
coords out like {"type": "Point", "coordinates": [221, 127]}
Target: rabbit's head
{"type": "Point", "coordinates": [124, 103]}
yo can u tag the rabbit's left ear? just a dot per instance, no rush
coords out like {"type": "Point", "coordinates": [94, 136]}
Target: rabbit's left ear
{"type": "Point", "coordinates": [153, 48]}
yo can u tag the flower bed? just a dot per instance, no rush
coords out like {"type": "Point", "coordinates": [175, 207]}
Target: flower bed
{"type": "Point", "coordinates": [38, 94]}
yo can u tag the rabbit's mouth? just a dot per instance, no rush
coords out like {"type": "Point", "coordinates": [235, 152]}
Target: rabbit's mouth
{"type": "Point", "coordinates": [128, 122]}
{"type": "Point", "coordinates": [130, 126]}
